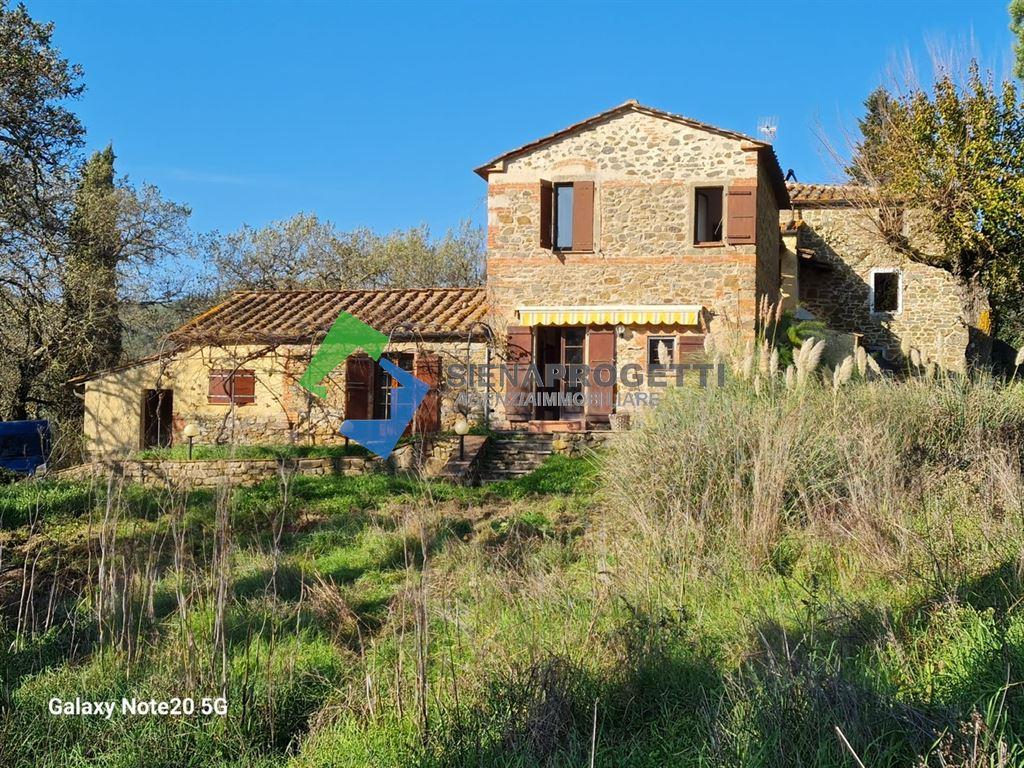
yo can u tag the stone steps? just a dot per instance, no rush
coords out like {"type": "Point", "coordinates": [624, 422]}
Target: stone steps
{"type": "Point", "coordinates": [512, 455]}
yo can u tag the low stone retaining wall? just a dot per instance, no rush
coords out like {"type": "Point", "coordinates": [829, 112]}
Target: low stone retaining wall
{"type": "Point", "coordinates": [579, 443]}
{"type": "Point", "coordinates": [213, 473]}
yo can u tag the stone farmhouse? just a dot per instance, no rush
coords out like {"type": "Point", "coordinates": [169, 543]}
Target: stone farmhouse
{"type": "Point", "coordinates": [624, 238]}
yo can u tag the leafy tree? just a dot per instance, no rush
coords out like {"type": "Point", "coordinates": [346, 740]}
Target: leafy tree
{"type": "Point", "coordinates": [115, 230]}
{"type": "Point", "coordinates": [306, 252]}
{"type": "Point", "coordinates": [90, 274]}
{"type": "Point", "coordinates": [870, 149]}
{"type": "Point", "coordinates": [65, 317]}
{"type": "Point", "coordinates": [1017, 27]}
{"type": "Point", "coordinates": [38, 138]}
{"type": "Point", "coordinates": [954, 154]}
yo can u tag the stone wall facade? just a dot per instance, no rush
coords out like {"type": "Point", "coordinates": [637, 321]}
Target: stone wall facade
{"type": "Point", "coordinates": [645, 170]}
{"type": "Point", "coordinates": [847, 244]}
{"type": "Point", "coordinates": [768, 279]}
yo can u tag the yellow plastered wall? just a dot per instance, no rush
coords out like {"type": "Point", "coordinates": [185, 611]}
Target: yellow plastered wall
{"type": "Point", "coordinates": [113, 401]}
{"type": "Point", "coordinates": [282, 412]}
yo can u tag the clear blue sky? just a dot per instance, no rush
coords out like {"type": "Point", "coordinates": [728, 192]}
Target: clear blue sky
{"type": "Point", "coordinates": [376, 114]}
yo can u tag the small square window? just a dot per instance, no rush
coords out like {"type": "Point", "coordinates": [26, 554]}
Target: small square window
{"type": "Point", "coordinates": [707, 225]}
{"type": "Point", "coordinates": [886, 290]}
{"type": "Point", "coordinates": [661, 351]}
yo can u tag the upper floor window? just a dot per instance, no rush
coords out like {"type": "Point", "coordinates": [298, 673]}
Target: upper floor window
{"type": "Point", "coordinates": [707, 226]}
{"type": "Point", "coordinates": [563, 217]}
{"type": "Point", "coordinates": [886, 290]}
{"type": "Point", "coordinates": [567, 215]}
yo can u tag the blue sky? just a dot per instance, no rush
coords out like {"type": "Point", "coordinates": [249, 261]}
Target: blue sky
{"type": "Point", "coordinates": [376, 114]}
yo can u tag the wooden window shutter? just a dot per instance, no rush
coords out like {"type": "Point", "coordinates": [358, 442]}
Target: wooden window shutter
{"type": "Point", "coordinates": [232, 386]}
{"type": "Point", "coordinates": [690, 348]}
{"type": "Point", "coordinates": [220, 387]}
{"type": "Point", "coordinates": [583, 216]}
{"type": "Point", "coordinates": [358, 387]}
{"type": "Point", "coordinates": [243, 387]}
{"type": "Point", "coordinates": [520, 352]}
{"type": "Point", "coordinates": [427, 368]}
{"type": "Point", "coordinates": [547, 206]}
{"type": "Point", "coordinates": [601, 351]}
{"type": "Point", "coordinates": [741, 227]}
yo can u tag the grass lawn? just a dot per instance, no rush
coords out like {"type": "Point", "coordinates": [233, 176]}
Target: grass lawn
{"type": "Point", "coordinates": [746, 578]}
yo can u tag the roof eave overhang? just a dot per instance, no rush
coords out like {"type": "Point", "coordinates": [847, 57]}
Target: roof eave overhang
{"type": "Point", "coordinates": [766, 152]}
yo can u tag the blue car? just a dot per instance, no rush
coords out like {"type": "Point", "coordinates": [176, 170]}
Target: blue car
{"type": "Point", "coordinates": [24, 445]}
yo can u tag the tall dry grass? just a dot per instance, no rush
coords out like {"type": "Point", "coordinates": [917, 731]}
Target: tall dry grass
{"type": "Point", "coordinates": [883, 468]}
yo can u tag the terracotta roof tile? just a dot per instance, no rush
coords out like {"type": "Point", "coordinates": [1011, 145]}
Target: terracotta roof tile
{"type": "Point", "coordinates": [267, 317]}
{"type": "Point", "coordinates": [820, 194]}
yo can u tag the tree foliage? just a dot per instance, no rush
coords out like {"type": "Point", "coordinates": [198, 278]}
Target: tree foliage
{"type": "Point", "coordinates": [38, 137]}
{"type": "Point", "coordinates": [115, 230]}
{"type": "Point", "coordinates": [956, 153]}
{"type": "Point", "coordinates": [1017, 27]}
{"type": "Point", "coordinates": [72, 235]}
{"type": "Point", "coordinates": [38, 133]}
{"type": "Point", "coordinates": [306, 252]}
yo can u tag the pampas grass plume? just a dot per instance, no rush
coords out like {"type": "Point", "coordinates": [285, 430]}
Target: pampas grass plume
{"type": "Point", "coordinates": [862, 362]}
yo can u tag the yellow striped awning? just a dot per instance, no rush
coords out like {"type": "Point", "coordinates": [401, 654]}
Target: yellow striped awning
{"type": "Point", "coordinates": [613, 314]}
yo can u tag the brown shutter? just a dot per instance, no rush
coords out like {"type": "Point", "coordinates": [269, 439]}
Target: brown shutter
{"type": "Point", "coordinates": [243, 387]}
{"type": "Point", "coordinates": [741, 227]}
{"type": "Point", "coordinates": [427, 368]}
{"type": "Point", "coordinates": [520, 352]}
{"type": "Point", "coordinates": [358, 386]}
{"type": "Point", "coordinates": [220, 387]}
{"type": "Point", "coordinates": [690, 349]}
{"type": "Point", "coordinates": [547, 205]}
{"type": "Point", "coordinates": [583, 216]}
{"type": "Point", "coordinates": [601, 351]}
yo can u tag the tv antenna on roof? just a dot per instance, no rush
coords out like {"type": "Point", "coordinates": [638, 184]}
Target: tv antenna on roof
{"type": "Point", "coordinates": [767, 128]}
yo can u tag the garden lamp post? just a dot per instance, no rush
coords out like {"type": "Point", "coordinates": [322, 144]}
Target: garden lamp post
{"type": "Point", "coordinates": [191, 431]}
{"type": "Point", "coordinates": [462, 429]}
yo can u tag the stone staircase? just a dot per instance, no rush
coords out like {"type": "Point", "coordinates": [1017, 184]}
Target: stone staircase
{"type": "Point", "coordinates": [514, 454]}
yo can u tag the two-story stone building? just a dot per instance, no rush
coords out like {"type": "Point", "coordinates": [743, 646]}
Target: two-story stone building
{"type": "Point", "coordinates": [624, 238]}
{"type": "Point", "coordinates": [630, 230]}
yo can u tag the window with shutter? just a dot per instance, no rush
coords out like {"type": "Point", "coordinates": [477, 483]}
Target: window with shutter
{"type": "Point", "coordinates": [741, 227]}
{"type": "Point", "coordinates": [563, 216]}
{"type": "Point", "coordinates": [567, 216]}
{"type": "Point", "coordinates": [232, 386]}
{"type": "Point", "coordinates": [661, 352]}
{"type": "Point", "coordinates": [707, 224]}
